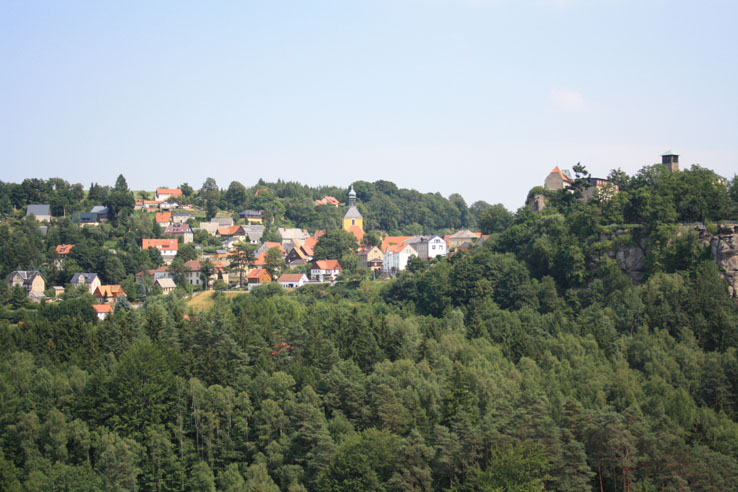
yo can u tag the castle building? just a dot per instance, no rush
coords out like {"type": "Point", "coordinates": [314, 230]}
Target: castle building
{"type": "Point", "coordinates": [353, 221]}
{"type": "Point", "coordinates": [557, 179]}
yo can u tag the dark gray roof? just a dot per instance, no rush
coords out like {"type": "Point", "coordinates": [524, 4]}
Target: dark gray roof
{"type": "Point", "coordinates": [88, 278]}
{"type": "Point", "coordinates": [353, 213]}
{"type": "Point", "coordinates": [26, 275]}
{"type": "Point", "coordinates": [38, 210]}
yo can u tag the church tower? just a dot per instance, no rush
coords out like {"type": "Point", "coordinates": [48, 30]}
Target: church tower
{"type": "Point", "coordinates": [353, 219]}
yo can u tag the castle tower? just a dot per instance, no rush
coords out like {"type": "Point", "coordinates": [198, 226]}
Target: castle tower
{"type": "Point", "coordinates": [353, 221]}
{"type": "Point", "coordinates": [670, 160]}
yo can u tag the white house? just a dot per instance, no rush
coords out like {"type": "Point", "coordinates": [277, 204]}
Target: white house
{"type": "Point", "coordinates": [397, 256]}
{"type": "Point", "coordinates": [167, 247]}
{"type": "Point", "coordinates": [163, 194]}
{"type": "Point", "coordinates": [428, 247]}
{"type": "Point", "coordinates": [325, 270]}
{"type": "Point", "coordinates": [292, 280]}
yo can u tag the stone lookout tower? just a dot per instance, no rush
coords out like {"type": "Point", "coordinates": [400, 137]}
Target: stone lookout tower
{"type": "Point", "coordinates": [670, 160]}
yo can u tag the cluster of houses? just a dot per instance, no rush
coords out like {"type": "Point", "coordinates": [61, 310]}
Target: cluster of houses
{"type": "Point", "coordinates": [296, 247]}
{"type": "Point", "coordinates": [34, 283]}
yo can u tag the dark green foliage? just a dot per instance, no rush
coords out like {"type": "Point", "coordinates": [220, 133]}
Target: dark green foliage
{"type": "Point", "coordinates": [531, 362]}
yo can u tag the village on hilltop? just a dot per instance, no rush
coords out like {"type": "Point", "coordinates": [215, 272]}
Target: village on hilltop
{"type": "Point", "coordinates": [243, 259]}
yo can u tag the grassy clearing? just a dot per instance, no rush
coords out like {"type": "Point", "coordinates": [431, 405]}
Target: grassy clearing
{"type": "Point", "coordinates": [203, 301]}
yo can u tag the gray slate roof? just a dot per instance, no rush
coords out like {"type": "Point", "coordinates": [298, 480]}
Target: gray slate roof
{"type": "Point", "coordinates": [99, 209]}
{"type": "Point", "coordinates": [353, 213]}
{"type": "Point", "coordinates": [88, 278]}
{"type": "Point", "coordinates": [38, 210]}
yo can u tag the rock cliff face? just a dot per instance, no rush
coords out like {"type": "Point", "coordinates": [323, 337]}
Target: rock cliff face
{"type": "Point", "coordinates": [723, 245]}
{"type": "Point", "coordinates": [632, 261]}
{"type": "Point", "coordinates": [724, 248]}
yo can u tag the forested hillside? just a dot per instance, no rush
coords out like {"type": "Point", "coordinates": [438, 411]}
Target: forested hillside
{"type": "Point", "coordinates": [529, 362]}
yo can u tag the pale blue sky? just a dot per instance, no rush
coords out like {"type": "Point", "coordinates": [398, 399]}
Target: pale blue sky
{"type": "Point", "coordinates": [477, 97]}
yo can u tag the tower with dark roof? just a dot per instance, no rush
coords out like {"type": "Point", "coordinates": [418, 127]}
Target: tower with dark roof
{"type": "Point", "coordinates": [670, 160]}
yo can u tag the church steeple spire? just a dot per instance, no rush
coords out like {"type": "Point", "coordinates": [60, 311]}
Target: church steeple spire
{"type": "Point", "coordinates": [352, 196]}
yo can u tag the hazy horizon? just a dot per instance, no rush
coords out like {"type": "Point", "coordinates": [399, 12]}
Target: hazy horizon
{"type": "Point", "coordinates": [477, 97]}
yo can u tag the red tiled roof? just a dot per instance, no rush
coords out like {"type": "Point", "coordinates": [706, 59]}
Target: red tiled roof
{"type": "Point", "coordinates": [556, 170]}
{"type": "Point", "coordinates": [393, 240]}
{"type": "Point", "coordinates": [163, 217]}
{"type": "Point", "coordinates": [291, 277]}
{"type": "Point", "coordinates": [171, 244]}
{"type": "Point", "coordinates": [309, 245]}
{"type": "Point", "coordinates": [169, 191]}
{"type": "Point", "coordinates": [228, 230]}
{"type": "Point", "coordinates": [257, 273]}
{"type": "Point", "coordinates": [103, 308]}
{"type": "Point", "coordinates": [327, 265]}
{"type": "Point", "coordinates": [397, 248]}
{"type": "Point", "coordinates": [64, 249]}
{"type": "Point", "coordinates": [357, 231]}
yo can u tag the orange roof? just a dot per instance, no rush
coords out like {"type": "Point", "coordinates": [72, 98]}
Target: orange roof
{"type": "Point", "coordinates": [103, 308]}
{"type": "Point", "coordinates": [257, 273]}
{"type": "Point", "coordinates": [328, 265]}
{"type": "Point", "coordinates": [261, 259]}
{"type": "Point", "coordinates": [357, 231]}
{"type": "Point", "coordinates": [291, 277]}
{"type": "Point", "coordinates": [328, 200]}
{"type": "Point", "coordinates": [160, 244]}
{"type": "Point", "coordinates": [228, 230]}
{"type": "Point", "coordinates": [163, 217]}
{"type": "Point", "coordinates": [152, 202]}
{"type": "Point", "coordinates": [299, 252]}
{"type": "Point", "coordinates": [109, 291]}
{"type": "Point", "coordinates": [309, 245]}
{"type": "Point", "coordinates": [393, 240]}
{"type": "Point", "coordinates": [397, 248]}
{"type": "Point", "coordinates": [64, 249]}
{"type": "Point", "coordinates": [169, 191]}
{"type": "Point", "coordinates": [556, 170]}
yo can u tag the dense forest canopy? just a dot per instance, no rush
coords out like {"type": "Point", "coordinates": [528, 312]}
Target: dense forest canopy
{"type": "Point", "coordinates": [530, 362]}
